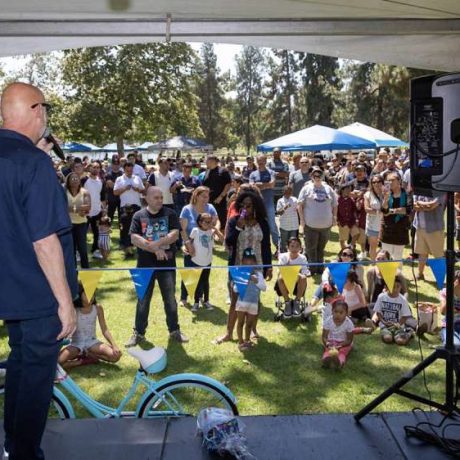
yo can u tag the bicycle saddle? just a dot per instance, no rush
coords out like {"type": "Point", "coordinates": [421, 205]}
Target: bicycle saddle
{"type": "Point", "coordinates": [152, 361]}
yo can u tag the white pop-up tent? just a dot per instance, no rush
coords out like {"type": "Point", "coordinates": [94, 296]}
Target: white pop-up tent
{"type": "Point", "coordinates": [415, 33]}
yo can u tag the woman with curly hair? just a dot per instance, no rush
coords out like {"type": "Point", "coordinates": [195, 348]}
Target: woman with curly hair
{"type": "Point", "coordinates": [248, 229]}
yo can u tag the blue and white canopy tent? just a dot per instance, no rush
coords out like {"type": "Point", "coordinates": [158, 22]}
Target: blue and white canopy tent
{"type": "Point", "coordinates": [316, 138]}
{"type": "Point", "coordinates": [381, 138]}
{"type": "Point", "coordinates": [71, 147]}
{"type": "Point", "coordinates": [113, 147]}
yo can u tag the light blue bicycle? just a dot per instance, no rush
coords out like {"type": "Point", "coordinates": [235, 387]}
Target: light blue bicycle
{"type": "Point", "coordinates": [173, 396]}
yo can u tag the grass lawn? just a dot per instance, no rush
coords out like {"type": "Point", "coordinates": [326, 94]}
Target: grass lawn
{"type": "Point", "coordinates": [281, 375]}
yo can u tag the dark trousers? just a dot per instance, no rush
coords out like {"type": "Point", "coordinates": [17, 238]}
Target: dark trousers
{"type": "Point", "coordinates": [93, 222]}
{"type": "Point", "coordinates": [221, 210]}
{"type": "Point", "coordinates": [285, 235]}
{"type": "Point", "coordinates": [79, 232]}
{"type": "Point", "coordinates": [112, 206]}
{"type": "Point", "coordinates": [202, 288]}
{"type": "Point", "coordinates": [183, 290]}
{"type": "Point", "coordinates": [126, 217]}
{"type": "Point", "coordinates": [315, 242]}
{"type": "Point", "coordinates": [31, 368]}
{"type": "Point", "coordinates": [167, 282]}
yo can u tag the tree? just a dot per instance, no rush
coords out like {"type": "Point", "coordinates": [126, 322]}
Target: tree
{"type": "Point", "coordinates": [211, 103]}
{"type": "Point", "coordinates": [281, 114]}
{"type": "Point", "coordinates": [320, 83]}
{"type": "Point", "coordinates": [131, 92]}
{"type": "Point", "coordinates": [249, 90]}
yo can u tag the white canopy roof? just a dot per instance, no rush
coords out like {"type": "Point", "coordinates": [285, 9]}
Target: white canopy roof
{"type": "Point", "coordinates": [416, 33]}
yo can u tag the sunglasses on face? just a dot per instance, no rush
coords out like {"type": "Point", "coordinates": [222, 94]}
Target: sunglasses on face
{"type": "Point", "coordinates": [46, 105]}
{"type": "Point", "coordinates": [347, 254]}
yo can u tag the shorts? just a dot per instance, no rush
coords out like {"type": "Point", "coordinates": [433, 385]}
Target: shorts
{"type": "Point", "coordinates": [403, 332]}
{"type": "Point", "coordinates": [277, 289]}
{"type": "Point", "coordinates": [247, 307]}
{"type": "Point", "coordinates": [429, 243]}
{"type": "Point", "coordinates": [361, 313]}
{"type": "Point", "coordinates": [104, 242]}
{"type": "Point", "coordinates": [372, 233]}
{"type": "Point", "coordinates": [85, 344]}
{"type": "Point", "coordinates": [345, 232]}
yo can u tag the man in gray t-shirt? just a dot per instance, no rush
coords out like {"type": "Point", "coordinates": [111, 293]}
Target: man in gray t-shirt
{"type": "Point", "coordinates": [299, 178]}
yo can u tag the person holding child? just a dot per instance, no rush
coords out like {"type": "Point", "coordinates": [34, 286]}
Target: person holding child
{"type": "Point", "coordinates": [337, 336]}
{"type": "Point", "coordinates": [293, 257]}
{"type": "Point", "coordinates": [346, 216]}
{"type": "Point", "coordinates": [247, 306]}
{"type": "Point", "coordinates": [105, 229]}
{"type": "Point", "coordinates": [84, 347]}
{"type": "Point", "coordinates": [200, 246]}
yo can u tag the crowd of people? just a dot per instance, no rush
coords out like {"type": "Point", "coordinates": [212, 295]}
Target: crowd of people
{"type": "Point", "coordinates": [272, 208]}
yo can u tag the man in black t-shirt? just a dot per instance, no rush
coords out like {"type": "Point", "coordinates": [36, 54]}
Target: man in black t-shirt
{"type": "Point", "coordinates": [218, 181]}
{"type": "Point", "coordinates": [154, 231]}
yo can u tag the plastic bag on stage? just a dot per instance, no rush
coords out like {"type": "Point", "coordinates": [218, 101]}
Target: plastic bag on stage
{"type": "Point", "coordinates": [428, 313]}
{"type": "Point", "coordinates": [222, 433]}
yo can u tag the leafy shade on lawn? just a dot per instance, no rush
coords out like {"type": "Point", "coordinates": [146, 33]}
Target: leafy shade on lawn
{"type": "Point", "coordinates": [281, 375]}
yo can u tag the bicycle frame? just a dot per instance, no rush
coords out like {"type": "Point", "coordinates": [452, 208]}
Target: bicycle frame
{"type": "Point", "coordinates": [100, 410]}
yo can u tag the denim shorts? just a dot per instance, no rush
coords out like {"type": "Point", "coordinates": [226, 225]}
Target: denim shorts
{"type": "Point", "coordinates": [371, 233]}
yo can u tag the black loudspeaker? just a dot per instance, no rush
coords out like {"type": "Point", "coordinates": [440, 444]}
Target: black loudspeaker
{"type": "Point", "coordinates": [435, 133]}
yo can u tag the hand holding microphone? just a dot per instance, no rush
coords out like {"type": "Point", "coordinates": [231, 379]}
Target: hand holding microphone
{"type": "Point", "coordinates": [48, 143]}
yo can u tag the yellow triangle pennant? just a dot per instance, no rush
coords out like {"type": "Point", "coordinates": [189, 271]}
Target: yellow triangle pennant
{"type": "Point", "coordinates": [289, 273]}
{"type": "Point", "coordinates": [190, 277]}
{"type": "Point", "coordinates": [388, 271]}
{"type": "Point", "coordinates": [90, 279]}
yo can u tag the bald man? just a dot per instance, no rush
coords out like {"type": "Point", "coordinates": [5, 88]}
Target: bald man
{"type": "Point", "coordinates": [154, 231]}
{"type": "Point", "coordinates": [36, 249]}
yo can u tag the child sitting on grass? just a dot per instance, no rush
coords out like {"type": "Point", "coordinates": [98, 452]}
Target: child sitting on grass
{"type": "Point", "coordinates": [84, 347]}
{"type": "Point", "coordinates": [247, 308]}
{"type": "Point", "coordinates": [293, 257]}
{"type": "Point", "coordinates": [337, 336]}
{"type": "Point", "coordinates": [393, 314]}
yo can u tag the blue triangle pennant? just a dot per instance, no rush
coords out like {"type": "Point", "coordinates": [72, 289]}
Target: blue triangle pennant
{"type": "Point", "coordinates": [141, 279]}
{"type": "Point", "coordinates": [240, 276]}
{"type": "Point", "coordinates": [339, 272]}
{"type": "Point", "coordinates": [438, 267]}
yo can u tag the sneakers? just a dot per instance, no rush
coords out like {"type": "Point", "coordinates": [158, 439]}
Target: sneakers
{"type": "Point", "coordinates": [194, 308]}
{"type": "Point", "coordinates": [207, 306]}
{"type": "Point", "coordinates": [288, 309]}
{"type": "Point", "coordinates": [296, 308]}
{"type": "Point", "coordinates": [362, 256]}
{"type": "Point", "coordinates": [134, 340]}
{"type": "Point", "coordinates": [178, 336]}
{"type": "Point", "coordinates": [184, 303]}
{"type": "Point", "coordinates": [5, 455]}
{"type": "Point", "coordinates": [97, 254]}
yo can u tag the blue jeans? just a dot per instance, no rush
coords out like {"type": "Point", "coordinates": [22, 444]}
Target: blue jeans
{"type": "Point", "coordinates": [272, 223]}
{"type": "Point", "coordinates": [167, 282]}
{"type": "Point", "coordinates": [31, 368]}
{"type": "Point", "coordinates": [79, 232]}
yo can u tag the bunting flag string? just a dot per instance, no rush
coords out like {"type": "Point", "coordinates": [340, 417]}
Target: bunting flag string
{"type": "Point", "coordinates": [240, 276]}
{"type": "Point", "coordinates": [90, 280]}
{"type": "Point", "coordinates": [141, 280]}
{"type": "Point", "coordinates": [388, 271]}
{"type": "Point", "coordinates": [289, 273]}
{"type": "Point", "coordinates": [339, 272]}
{"type": "Point", "coordinates": [438, 267]}
{"type": "Point", "coordinates": [190, 277]}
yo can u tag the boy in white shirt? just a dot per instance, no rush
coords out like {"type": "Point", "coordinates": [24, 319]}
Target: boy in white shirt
{"type": "Point", "coordinates": [286, 208]}
{"type": "Point", "coordinates": [293, 257]}
{"type": "Point", "coordinates": [393, 312]}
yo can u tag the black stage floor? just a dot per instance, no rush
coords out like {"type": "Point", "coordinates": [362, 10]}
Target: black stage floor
{"type": "Point", "coordinates": [325, 436]}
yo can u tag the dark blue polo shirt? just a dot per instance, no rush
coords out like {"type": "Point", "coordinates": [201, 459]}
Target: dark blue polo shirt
{"type": "Point", "coordinates": [32, 206]}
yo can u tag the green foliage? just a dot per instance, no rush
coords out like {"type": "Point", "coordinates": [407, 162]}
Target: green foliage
{"type": "Point", "coordinates": [131, 92]}
{"type": "Point", "coordinates": [249, 88]}
{"type": "Point", "coordinates": [210, 91]}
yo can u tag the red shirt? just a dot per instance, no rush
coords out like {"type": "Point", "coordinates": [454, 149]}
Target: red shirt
{"type": "Point", "coordinates": [346, 211]}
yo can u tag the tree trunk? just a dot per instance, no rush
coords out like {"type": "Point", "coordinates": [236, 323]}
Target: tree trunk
{"type": "Point", "coordinates": [120, 145]}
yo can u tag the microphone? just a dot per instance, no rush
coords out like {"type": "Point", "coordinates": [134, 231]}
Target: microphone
{"type": "Point", "coordinates": [56, 147]}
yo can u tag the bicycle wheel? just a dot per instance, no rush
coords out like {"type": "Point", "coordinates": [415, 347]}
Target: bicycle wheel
{"type": "Point", "coordinates": [185, 398]}
{"type": "Point", "coordinates": [57, 408]}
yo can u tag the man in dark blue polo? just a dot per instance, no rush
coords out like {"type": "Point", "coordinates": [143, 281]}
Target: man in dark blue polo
{"type": "Point", "coordinates": [36, 248]}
